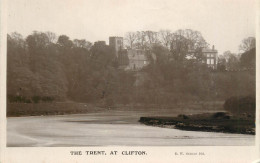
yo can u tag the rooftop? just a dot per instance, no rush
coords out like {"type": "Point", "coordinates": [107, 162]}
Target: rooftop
{"type": "Point", "coordinates": [115, 37]}
{"type": "Point", "coordinates": [209, 50]}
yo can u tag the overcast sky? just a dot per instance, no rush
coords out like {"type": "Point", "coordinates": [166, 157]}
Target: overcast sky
{"type": "Point", "coordinates": [223, 23]}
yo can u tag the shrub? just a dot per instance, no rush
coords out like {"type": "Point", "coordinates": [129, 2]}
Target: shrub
{"type": "Point", "coordinates": [28, 101]}
{"type": "Point", "coordinates": [36, 99]}
{"type": "Point", "coordinates": [221, 115]}
{"type": "Point", "coordinates": [47, 99]}
{"type": "Point", "coordinates": [239, 105]}
{"type": "Point", "coordinates": [18, 99]}
{"type": "Point", "coordinates": [183, 116]}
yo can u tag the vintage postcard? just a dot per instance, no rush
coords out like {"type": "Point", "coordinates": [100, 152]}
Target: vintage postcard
{"type": "Point", "coordinates": [129, 81]}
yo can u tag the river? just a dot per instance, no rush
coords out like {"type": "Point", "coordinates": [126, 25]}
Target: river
{"type": "Point", "coordinates": [110, 128]}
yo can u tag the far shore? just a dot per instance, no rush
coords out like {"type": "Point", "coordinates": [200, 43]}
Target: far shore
{"type": "Point", "coordinates": [71, 107]}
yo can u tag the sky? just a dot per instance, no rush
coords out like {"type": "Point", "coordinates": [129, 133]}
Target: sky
{"type": "Point", "coordinates": [223, 23]}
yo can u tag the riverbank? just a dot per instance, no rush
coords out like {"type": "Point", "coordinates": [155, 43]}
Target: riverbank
{"type": "Point", "coordinates": [55, 108]}
{"type": "Point", "coordinates": [71, 107]}
{"type": "Point", "coordinates": [209, 122]}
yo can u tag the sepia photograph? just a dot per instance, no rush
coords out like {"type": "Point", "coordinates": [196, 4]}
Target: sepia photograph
{"type": "Point", "coordinates": [130, 73]}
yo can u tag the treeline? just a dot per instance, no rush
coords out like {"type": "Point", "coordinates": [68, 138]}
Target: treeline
{"type": "Point", "coordinates": [57, 68]}
{"type": "Point", "coordinates": [185, 37]}
{"type": "Point", "coordinates": [243, 61]}
{"type": "Point", "coordinates": [171, 80]}
{"type": "Point", "coordinates": [44, 65]}
{"type": "Point", "coordinates": [178, 75]}
{"type": "Point", "coordinates": [179, 43]}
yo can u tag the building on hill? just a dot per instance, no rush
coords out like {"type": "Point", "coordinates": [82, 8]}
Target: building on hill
{"type": "Point", "coordinates": [129, 59]}
{"type": "Point", "coordinates": [137, 59]}
{"type": "Point", "coordinates": [117, 43]}
{"type": "Point", "coordinates": [132, 59]}
{"type": "Point", "coordinates": [123, 59]}
{"type": "Point", "coordinates": [100, 43]}
{"type": "Point", "coordinates": [211, 57]}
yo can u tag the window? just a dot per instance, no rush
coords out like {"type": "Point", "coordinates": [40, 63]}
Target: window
{"type": "Point", "coordinates": [212, 61]}
{"type": "Point", "coordinates": [144, 62]}
{"type": "Point", "coordinates": [208, 61]}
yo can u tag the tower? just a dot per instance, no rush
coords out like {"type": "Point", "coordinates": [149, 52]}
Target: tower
{"type": "Point", "coordinates": [116, 43]}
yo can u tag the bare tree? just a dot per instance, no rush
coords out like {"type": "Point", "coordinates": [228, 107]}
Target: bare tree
{"type": "Point", "coordinates": [227, 55]}
{"type": "Point", "coordinates": [151, 37]}
{"type": "Point", "coordinates": [165, 37]}
{"type": "Point", "coordinates": [51, 36]}
{"type": "Point", "coordinates": [82, 43]}
{"type": "Point", "coordinates": [131, 37]}
{"type": "Point", "coordinates": [141, 41]}
{"type": "Point", "coordinates": [247, 44]}
{"type": "Point", "coordinates": [187, 43]}
{"type": "Point", "coordinates": [195, 39]}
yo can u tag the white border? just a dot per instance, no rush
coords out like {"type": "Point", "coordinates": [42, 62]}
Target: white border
{"type": "Point", "coordinates": [155, 154]}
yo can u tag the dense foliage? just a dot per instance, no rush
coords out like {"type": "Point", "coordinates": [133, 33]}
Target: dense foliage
{"type": "Point", "coordinates": [62, 70]}
{"type": "Point", "coordinates": [240, 105]}
{"type": "Point", "coordinates": [44, 68]}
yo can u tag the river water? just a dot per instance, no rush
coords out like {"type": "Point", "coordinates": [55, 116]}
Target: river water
{"type": "Point", "coordinates": [110, 128]}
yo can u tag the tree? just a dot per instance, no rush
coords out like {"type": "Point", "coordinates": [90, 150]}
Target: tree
{"type": "Point", "coordinates": [232, 61]}
{"type": "Point", "coordinates": [152, 37]}
{"type": "Point", "coordinates": [17, 40]}
{"type": "Point", "coordinates": [65, 41]}
{"type": "Point", "coordinates": [131, 38]}
{"type": "Point", "coordinates": [51, 37]}
{"type": "Point", "coordinates": [247, 44]}
{"type": "Point", "coordinates": [187, 44]}
{"type": "Point", "coordinates": [179, 47]}
{"type": "Point", "coordinates": [33, 67]}
{"type": "Point", "coordinates": [248, 59]}
{"type": "Point", "coordinates": [19, 75]}
{"type": "Point", "coordinates": [102, 56]}
{"type": "Point", "coordinates": [161, 54]}
{"type": "Point", "coordinates": [221, 63]}
{"type": "Point", "coordinates": [165, 37]}
{"type": "Point", "coordinates": [141, 41]}
{"type": "Point", "coordinates": [37, 41]}
{"type": "Point", "coordinates": [82, 43]}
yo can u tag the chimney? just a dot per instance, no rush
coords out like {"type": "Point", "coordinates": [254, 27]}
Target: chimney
{"type": "Point", "coordinates": [213, 47]}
